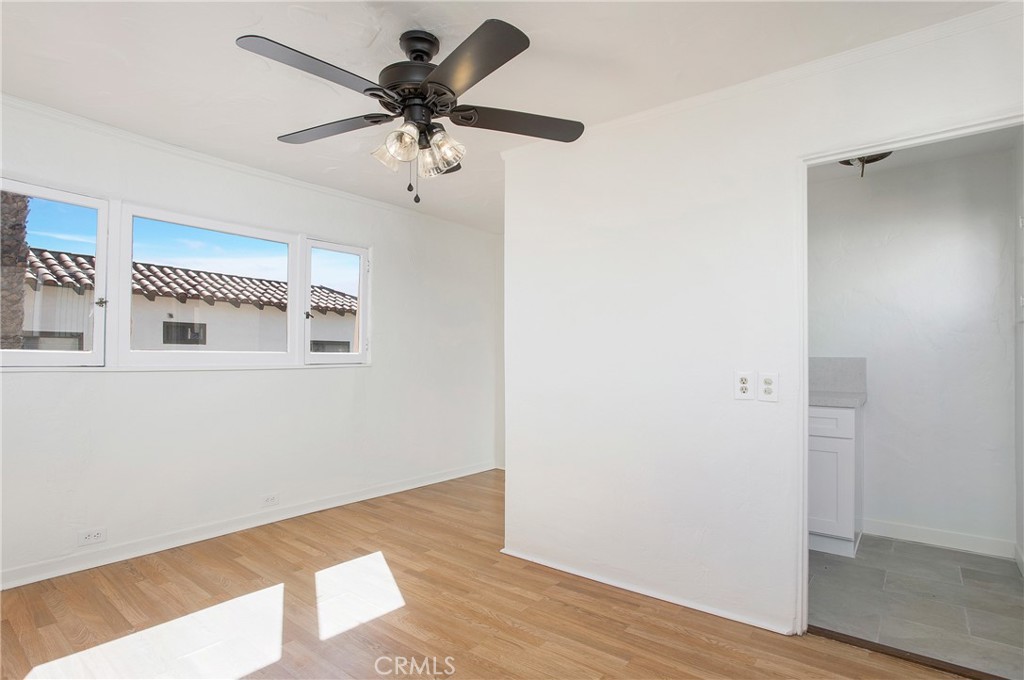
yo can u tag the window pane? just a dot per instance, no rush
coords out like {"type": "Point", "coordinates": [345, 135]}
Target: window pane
{"type": "Point", "coordinates": [49, 270]}
{"type": "Point", "coordinates": [334, 301]}
{"type": "Point", "coordinates": [198, 289]}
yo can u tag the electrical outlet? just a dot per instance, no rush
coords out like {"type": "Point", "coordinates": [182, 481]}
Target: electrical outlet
{"type": "Point", "coordinates": [92, 536]}
{"type": "Point", "coordinates": [271, 499]}
{"type": "Point", "coordinates": [768, 386]}
{"type": "Point", "coordinates": [743, 385]}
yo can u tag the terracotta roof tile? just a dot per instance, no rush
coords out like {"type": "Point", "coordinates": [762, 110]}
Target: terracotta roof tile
{"type": "Point", "coordinates": [51, 268]}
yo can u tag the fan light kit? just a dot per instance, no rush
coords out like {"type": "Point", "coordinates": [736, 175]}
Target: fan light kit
{"type": "Point", "coordinates": [419, 91]}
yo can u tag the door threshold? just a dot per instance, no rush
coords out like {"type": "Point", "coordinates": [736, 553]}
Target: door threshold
{"type": "Point", "coordinates": [937, 664]}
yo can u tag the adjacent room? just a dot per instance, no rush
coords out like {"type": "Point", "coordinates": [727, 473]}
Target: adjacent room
{"type": "Point", "coordinates": [912, 277]}
{"type": "Point", "coordinates": [307, 312]}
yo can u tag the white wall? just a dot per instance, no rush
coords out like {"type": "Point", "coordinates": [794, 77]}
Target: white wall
{"type": "Point", "coordinates": [913, 268]}
{"type": "Point", "coordinates": [627, 458]}
{"type": "Point", "coordinates": [161, 458]}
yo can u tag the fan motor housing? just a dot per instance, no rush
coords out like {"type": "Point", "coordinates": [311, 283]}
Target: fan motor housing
{"type": "Point", "coordinates": [404, 78]}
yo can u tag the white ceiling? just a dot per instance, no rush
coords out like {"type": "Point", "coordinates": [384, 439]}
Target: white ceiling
{"type": "Point", "coordinates": [171, 71]}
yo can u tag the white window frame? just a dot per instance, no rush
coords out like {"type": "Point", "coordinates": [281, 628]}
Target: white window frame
{"type": "Point", "coordinates": [360, 354]}
{"type": "Point", "coordinates": [95, 356]}
{"type": "Point", "coordinates": [121, 312]}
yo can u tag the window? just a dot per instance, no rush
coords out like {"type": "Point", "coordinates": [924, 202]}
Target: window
{"type": "Point", "coordinates": [234, 287]}
{"type": "Point", "coordinates": [335, 299]}
{"type": "Point", "coordinates": [177, 333]}
{"type": "Point", "coordinates": [53, 340]}
{"type": "Point", "coordinates": [53, 293]}
{"type": "Point", "coordinates": [184, 292]}
{"type": "Point", "coordinates": [330, 346]}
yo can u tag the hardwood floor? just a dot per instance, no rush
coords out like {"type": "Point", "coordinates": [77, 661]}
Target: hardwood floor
{"type": "Point", "coordinates": [466, 606]}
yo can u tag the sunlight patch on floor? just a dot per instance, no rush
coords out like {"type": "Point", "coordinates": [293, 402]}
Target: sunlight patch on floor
{"type": "Point", "coordinates": [354, 592]}
{"type": "Point", "coordinates": [228, 640]}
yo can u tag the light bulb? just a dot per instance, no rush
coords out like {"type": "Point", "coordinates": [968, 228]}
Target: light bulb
{"type": "Point", "coordinates": [403, 143]}
{"type": "Point", "coordinates": [449, 152]}
{"type": "Point", "coordinates": [384, 156]}
{"type": "Point", "coordinates": [429, 163]}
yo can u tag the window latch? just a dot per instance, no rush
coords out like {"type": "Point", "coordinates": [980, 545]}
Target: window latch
{"type": "Point", "coordinates": [101, 302]}
{"type": "Point", "coordinates": [309, 315]}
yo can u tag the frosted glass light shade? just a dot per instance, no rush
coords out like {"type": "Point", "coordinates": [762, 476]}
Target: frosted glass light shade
{"type": "Point", "coordinates": [449, 152]}
{"type": "Point", "coordinates": [403, 143]}
{"type": "Point", "coordinates": [384, 156]}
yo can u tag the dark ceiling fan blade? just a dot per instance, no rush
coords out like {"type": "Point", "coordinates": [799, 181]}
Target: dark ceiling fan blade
{"type": "Point", "coordinates": [335, 128]}
{"type": "Point", "coordinates": [270, 49]}
{"type": "Point", "coordinates": [483, 52]}
{"type": "Point", "coordinates": [517, 122]}
{"type": "Point", "coordinates": [454, 168]}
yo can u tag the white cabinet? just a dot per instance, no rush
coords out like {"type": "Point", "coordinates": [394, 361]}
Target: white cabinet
{"type": "Point", "coordinates": [830, 485]}
{"type": "Point", "coordinates": [833, 484]}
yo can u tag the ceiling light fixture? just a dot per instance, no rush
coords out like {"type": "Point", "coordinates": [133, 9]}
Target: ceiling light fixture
{"type": "Point", "coordinates": [866, 160]}
{"type": "Point", "coordinates": [435, 151]}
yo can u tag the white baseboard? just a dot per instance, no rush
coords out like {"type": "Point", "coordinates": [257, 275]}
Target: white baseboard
{"type": "Point", "coordinates": [1020, 559]}
{"type": "Point", "coordinates": [833, 545]}
{"type": "Point", "coordinates": [984, 545]}
{"type": "Point", "coordinates": [725, 614]}
{"type": "Point", "coordinates": [37, 571]}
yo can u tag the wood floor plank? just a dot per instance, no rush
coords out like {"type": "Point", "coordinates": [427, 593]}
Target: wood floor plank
{"type": "Point", "coordinates": [496, 616]}
{"type": "Point", "coordinates": [13, 661]}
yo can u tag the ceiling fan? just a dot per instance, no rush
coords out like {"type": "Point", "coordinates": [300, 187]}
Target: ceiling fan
{"type": "Point", "coordinates": [421, 92]}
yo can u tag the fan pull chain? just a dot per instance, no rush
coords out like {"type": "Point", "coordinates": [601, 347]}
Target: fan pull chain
{"type": "Point", "coordinates": [416, 198]}
{"type": "Point", "coordinates": [409, 188]}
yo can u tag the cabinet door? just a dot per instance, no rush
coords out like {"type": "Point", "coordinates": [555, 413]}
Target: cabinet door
{"type": "Point", "coordinates": [830, 486]}
{"type": "Point", "coordinates": [829, 421]}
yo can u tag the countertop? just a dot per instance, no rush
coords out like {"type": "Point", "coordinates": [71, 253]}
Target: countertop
{"type": "Point", "coordinates": [838, 399]}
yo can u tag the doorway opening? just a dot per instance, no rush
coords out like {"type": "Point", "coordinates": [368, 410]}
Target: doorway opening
{"type": "Point", "coordinates": [916, 379]}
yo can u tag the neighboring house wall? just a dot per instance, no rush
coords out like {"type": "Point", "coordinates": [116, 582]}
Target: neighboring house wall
{"type": "Point", "coordinates": [913, 268]}
{"type": "Point", "coordinates": [333, 327]}
{"type": "Point", "coordinates": [246, 328]}
{"type": "Point", "coordinates": [686, 224]}
{"type": "Point", "coordinates": [242, 328]}
{"type": "Point", "coordinates": [162, 458]}
{"type": "Point", "coordinates": [56, 309]}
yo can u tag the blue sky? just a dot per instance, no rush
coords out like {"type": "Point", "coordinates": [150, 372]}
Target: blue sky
{"type": "Point", "coordinates": [62, 226]}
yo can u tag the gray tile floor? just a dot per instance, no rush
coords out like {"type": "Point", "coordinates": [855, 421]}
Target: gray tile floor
{"type": "Point", "coordinates": [955, 606]}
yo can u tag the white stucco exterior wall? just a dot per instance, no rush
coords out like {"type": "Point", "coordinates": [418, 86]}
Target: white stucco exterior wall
{"type": "Point", "coordinates": [242, 328]}
{"type": "Point", "coordinates": [60, 310]}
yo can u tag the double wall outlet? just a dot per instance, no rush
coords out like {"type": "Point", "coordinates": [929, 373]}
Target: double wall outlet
{"type": "Point", "coordinates": [271, 499]}
{"type": "Point", "coordinates": [763, 386]}
{"type": "Point", "coordinates": [92, 536]}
